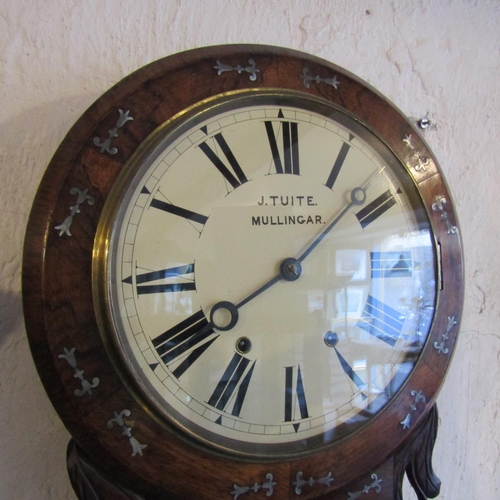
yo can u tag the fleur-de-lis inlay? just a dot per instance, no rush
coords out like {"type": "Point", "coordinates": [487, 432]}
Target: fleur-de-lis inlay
{"type": "Point", "coordinates": [440, 205]}
{"type": "Point", "coordinates": [418, 397]}
{"type": "Point", "coordinates": [64, 227]}
{"type": "Point", "coordinates": [307, 78]}
{"type": "Point", "coordinates": [105, 145]}
{"type": "Point", "coordinates": [422, 161]}
{"type": "Point", "coordinates": [251, 69]}
{"type": "Point", "coordinates": [300, 482]}
{"type": "Point", "coordinates": [87, 387]}
{"type": "Point", "coordinates": [440, 346]}
{"type": "Point", "coordinates": [119, 419]}
{"type": "Point", "coordinates": [268, 486]}
{"type": "Point", "coordinates": [375, 485]}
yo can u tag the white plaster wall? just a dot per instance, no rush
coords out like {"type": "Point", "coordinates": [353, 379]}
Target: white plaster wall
{"type": "Point", "coordinates": [439, 58]}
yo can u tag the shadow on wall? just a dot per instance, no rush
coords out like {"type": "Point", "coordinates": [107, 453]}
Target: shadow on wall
{"type": "Point", "coordinates": [11, 316]}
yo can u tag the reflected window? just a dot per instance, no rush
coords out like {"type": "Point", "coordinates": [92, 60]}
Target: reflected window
{"type": "Point", "coordinates": [351, 262]}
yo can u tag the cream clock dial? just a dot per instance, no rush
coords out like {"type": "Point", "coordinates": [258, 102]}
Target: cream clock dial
{"type": "Point", "coordinates": [270, 276]}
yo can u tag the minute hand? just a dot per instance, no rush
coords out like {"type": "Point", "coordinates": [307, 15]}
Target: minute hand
{"type": "Point", "coordinates": [358, 197]}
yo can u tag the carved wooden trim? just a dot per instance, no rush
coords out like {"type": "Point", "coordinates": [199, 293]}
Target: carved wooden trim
{"type": "Point", "coordinates": [89, 482]}
{"type": "Point", "coordinates": [416, 460]}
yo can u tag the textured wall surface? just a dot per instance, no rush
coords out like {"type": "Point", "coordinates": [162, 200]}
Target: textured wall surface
{"type": "Point", "coordinates": [435, 58]}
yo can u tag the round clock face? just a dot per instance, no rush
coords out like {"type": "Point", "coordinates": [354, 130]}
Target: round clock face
{"type": "Point", "coordinates": [269, 273]}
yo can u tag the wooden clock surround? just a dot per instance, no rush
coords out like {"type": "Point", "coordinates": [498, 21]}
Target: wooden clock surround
{"type": "Point", "coordinates": [110, 428]}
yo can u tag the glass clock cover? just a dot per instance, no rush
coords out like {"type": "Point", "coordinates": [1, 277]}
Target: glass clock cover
{"type": "Point", "coordinates": [269, 273]}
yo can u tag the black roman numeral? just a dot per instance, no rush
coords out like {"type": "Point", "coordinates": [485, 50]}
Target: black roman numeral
{"type": "Point", "coordinates": [339, 161]}
{"type": "Point", "coordinates": [376, 208]}
{"type": "Point", "coordinates": [391, 264]}
{"type": "Point", "coordinates": [290, 136]}
{"type": "Point", "coordinates": [235, 179]}
{"type": "Point", "coordinates": [185, 341]}
{"type": "Point", "coordinates": [173, 272]}
{"type": "Point", "coordinates": [381, 321]}
{"type": "Point", "coordinates": [292, 382]}
{"type": "Point", "coordinates": [235, 380]}
{"type": "Point", "coordinates": [179, 211]}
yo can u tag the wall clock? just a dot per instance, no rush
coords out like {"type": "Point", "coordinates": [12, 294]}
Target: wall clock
{"type": "Point", "coordinates": [243, 278]}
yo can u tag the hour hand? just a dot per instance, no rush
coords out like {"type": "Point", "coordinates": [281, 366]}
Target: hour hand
{"type": "Point", "coordinates": [224, 314]}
